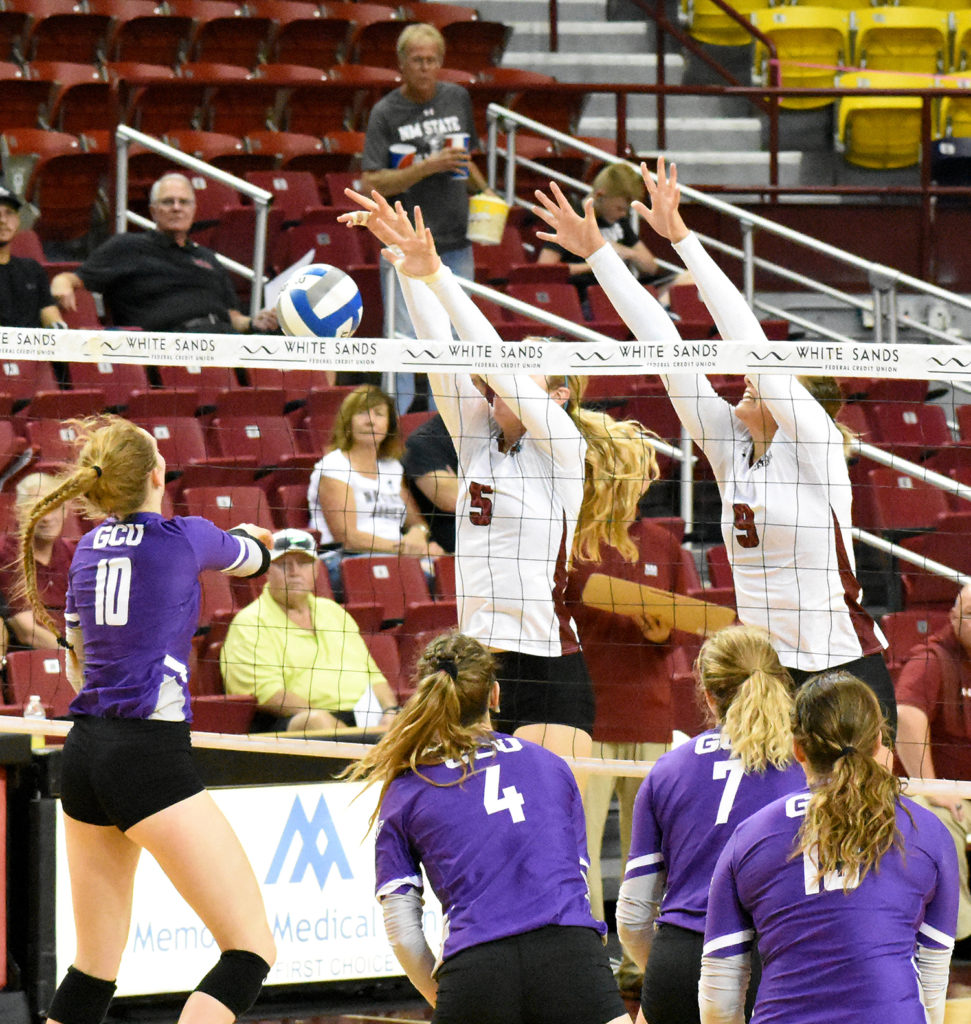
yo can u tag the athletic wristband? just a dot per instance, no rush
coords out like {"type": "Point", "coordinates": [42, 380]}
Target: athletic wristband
{"type": "Point", "coordinates": [428, 278]}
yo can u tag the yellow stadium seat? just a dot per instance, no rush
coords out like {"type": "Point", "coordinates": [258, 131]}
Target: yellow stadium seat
{"type": "Point", "coordinates": [811, 42]}
{"type": "Point", "coordinates": [880, 132]}
{"type": "Point", "coordinates": [961, 46]}
{"type": "Point", "coordinates": [912, 39]}
{"type": "Point", "coordinates": [710, 24]}
{"type": "Point", "coordinates": [955, 113]}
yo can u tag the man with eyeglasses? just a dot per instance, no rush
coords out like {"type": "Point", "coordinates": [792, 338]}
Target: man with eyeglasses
{"type": "Point", "coordinates": [161, 280]}
{"type": "Point", "coordinates": [417, 150]}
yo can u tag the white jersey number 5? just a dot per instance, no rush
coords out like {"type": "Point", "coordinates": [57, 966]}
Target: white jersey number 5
{"type": "Point", "coordinates": [732, 771]}
{"type": "Point", "coordinates": [511, 799]}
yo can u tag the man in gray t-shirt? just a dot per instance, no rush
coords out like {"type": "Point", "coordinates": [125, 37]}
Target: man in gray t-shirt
{"type": "Point", "coordinates": [412, 153]}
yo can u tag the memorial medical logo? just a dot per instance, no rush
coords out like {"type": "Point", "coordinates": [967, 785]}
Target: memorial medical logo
{"type": "Point", "coordinates": [318, 846]}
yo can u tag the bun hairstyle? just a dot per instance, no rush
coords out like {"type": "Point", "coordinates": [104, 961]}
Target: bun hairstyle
{"type": "Point", "coordinates": [738, 668]}
{"type": "Point", "coordinates": [446, 718]}
{"type": "Point", "coordinates": [851, 820]}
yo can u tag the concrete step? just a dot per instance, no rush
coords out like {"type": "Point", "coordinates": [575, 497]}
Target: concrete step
{"type": "Point", "coordinates": [631, 68]}
{"type": "Point", "coordinates": [684, 134]}
{"type": "Point", "coordinates": [602, 104]}
{"type": "Point", "coordinates": [737, 168]}
{"type": "Point", "coordinates": [539, 10]}
{"type": "Point", "coordinates": [578, 38]}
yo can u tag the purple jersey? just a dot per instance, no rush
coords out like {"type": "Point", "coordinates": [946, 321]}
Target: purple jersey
{"type": "Point", "coordinates": [505, 851]}
{"type": "Point", "coordinates": [685, 812]}
{"type": "Point", "coordinates": [133, 590]}
{"type": "Point", "coordinates": [841, 957]}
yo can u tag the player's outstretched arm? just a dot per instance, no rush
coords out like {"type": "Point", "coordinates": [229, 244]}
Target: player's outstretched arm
{"type": "Point", "coordinates": [578, 234]}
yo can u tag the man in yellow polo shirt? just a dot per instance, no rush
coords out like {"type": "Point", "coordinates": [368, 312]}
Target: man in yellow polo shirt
{"type": "Point", "coordinates": [301, 656]}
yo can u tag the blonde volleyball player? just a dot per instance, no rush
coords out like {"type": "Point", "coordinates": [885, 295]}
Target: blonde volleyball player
{"type": "Point", "coordinates": [541, 480]}
{"type": "Point", "coordinates": [778, 457]}
{"type": "Point", "coordinates": [689, 806]}
{"type": "Point", "coordinates": [129, 781]}
{"type": "Point", "coordinates": [850, 891]}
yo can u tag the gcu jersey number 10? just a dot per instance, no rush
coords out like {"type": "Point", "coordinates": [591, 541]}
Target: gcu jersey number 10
{"type": "Point", "coordinates": [112, 590]}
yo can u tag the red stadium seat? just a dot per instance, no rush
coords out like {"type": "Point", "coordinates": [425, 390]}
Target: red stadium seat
{"type": "Point", "coordinates": [180, 439]}
{"type": "Point", "coordinates": [116, 380]}
{"type": "Point", "coordinates": [922, 588]}
{"type": "Point", "coordinates": [384, 649]}
{"type": "Point", "coordinates": [719, 568]}
{"type": "Point", "coordinates": [475, 46]}
{"type": "Point", "coordinates": [254, 400]}
{"type": "Point", "coordinates": [22, 380]}
{"type": "Point", "coordinates": [84, 101]}
{"type": "Point", "coordinates": [268, 439]}
{"type": "Point", "coordinates": [290, 509]}
{"type": "Point", "coordinates": [229, 506]}
{"type": "Point", "coordinates": [60, 31]}
{"type": "Point", "coordinates": [305, 35]}
{"type": "Point", "coordinates": [906, 629]}
{"type": "Point", "coordinates": [146, 33]}
{"type": "Point", "coordinates": [206, 381]}
{"type": "Point", "coordinates": [391, 582]}
{"type": "Point", "coordinates": [225, 713]}
{"type": "Point", "coordinates": [66, 189]}
{"type": "Point", "coordinates": [904, 503]}
{"type": "Point", "coordinates": [42, 673]}
{"type": "Point", "coordinates": [294, 192]}
{"type": "Point", "coordinates": [908, 429]}
{"type": "Point", "coordinates": [330, 243]}
{"type": "Point", "coordinates": [23, 102]}
{"type": "Point", "coordinates": [295, 385]}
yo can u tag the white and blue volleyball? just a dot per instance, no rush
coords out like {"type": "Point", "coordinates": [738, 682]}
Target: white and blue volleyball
{"type": "Point", "coordinates": [321, 300]}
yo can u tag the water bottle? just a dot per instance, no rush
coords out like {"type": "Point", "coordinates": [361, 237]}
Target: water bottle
{"type": "Point", "coordinates": [34, 708]}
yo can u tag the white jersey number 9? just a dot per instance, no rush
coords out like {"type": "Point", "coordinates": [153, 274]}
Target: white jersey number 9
{"type": "Point", "coordinates": [511, 799]}
{"type": "Point", "coordinates": [112, 589]}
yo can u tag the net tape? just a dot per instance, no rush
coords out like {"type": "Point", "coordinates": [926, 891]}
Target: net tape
{"type": "Point", "coordinates": [843, 359]}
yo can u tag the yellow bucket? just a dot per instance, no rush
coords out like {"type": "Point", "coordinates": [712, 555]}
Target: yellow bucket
{"type": "Point", "coordinates": [487, 219]}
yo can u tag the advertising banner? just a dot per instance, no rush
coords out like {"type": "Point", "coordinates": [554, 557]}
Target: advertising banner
{"type": "Point", "coordinates": [315, 864]}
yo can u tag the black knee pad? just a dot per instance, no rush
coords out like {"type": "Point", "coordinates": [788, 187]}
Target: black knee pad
{"type": "Point", "coordinates": [81, 999]}
{"type": "Point", "coordinates": [236, 979]}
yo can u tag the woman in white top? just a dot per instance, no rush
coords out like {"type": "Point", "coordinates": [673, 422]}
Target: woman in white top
{"type": "Point", "coordinates": [778, 458]}
{"type": "Point", "coordinates": [541, 480]}
{"type": "Point", "coordinates": [358, 499]}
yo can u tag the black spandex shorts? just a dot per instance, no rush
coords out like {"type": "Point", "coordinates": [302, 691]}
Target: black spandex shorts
{"type": "Point", "coordinates": [872, 670]}
{"type": "Point", "coordinates": [670, 992]}
{"type": "Point", "coordinates": [533, 689]}
{"type": "Point", "coordinates": [118, 771]}
{"type": "Point", "coordinates": [556, 973]}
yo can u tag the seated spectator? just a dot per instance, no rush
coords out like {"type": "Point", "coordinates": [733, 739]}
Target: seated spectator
{"type": "Point", "coordinates": [301, 656]}
{"type": "Point", "coordinates": [52, 556]}
{"type": "Point", "coordinates": [614, 189]}
{"type": "Point", "coordinates": [431, 469]}
{"type": "Point", "coordinates": [161, 280]}
{"type": "Point", "coordinates": [933, 730]}
{"type": "Point", "coordinates": [25, 295]}
{"type": "Point", "coordinates": [357, 496]}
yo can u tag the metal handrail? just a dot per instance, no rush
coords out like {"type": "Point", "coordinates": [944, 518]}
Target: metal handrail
{"type": "Point", "coordinates": [260, 197]}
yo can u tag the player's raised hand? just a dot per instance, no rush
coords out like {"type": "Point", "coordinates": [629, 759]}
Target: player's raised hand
{"type": "Point", "coordinates": [579, 235]}
{"type": "Point", "coordinates": [663, 214]}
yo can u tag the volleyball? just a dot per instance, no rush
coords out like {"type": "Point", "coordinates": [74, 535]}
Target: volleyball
{"type": "Point", "coordinates": [321, 300]}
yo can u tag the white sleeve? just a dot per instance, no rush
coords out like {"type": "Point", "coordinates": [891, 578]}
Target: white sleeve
{"type": "Point", "coordinates": [721, 991]}
{"type": "Point", "coordinates": [796, 411]}
{"type": "Point", "coordinates": [727, 305]}
{"type": "Point", "coordinates": [546, 423]}
{"type": "Point", "coordinates": [463, 409]}
{"type": "Point", "coordinates": [637, 907]}
{"type": "Point", "coordinates": [402, 922]}
{"type": "Point", "coordinates": [932, 969]}
{"type": "Point", "coordinates": [704, 413]}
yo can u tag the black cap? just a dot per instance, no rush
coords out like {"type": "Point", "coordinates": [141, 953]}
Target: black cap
{"type": "Point", "coordinates": [10, 198]}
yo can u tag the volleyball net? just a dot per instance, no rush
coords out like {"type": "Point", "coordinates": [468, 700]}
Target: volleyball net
{"type": "Point", "coordinates": [242, 420]}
